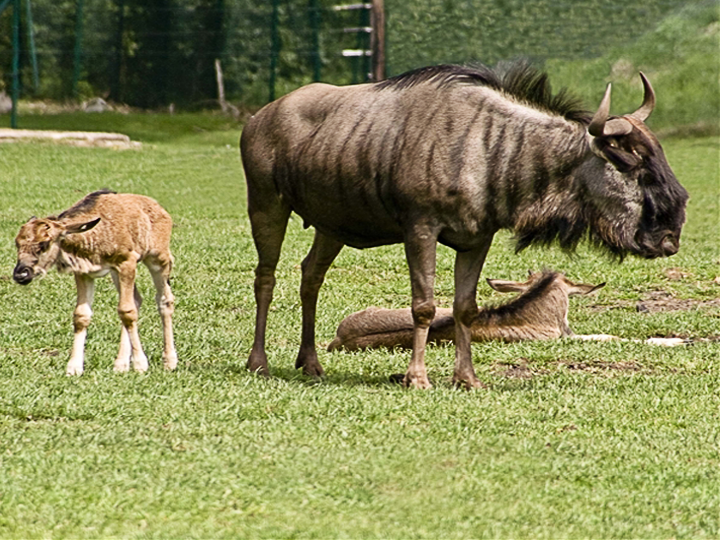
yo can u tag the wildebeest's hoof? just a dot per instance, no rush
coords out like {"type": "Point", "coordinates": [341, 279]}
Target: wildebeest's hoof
{"type": "Point", "coordinates": [258, 367]}
{"type": "Point", "coordinates": [469, 383]}
{"type": "Point", "coordinates": [416, 381]}
{"type": "Point", "coordinates": [313, 370]}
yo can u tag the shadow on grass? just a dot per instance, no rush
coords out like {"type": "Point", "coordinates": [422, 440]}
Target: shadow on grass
{"type": "Point", "coordinates": [295, 376]}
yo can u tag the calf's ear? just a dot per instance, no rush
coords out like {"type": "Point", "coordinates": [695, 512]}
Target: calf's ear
{"type": "Point", "coordinates": [81, 227]}
{"type": "Point", "coordinates": [583, 288]}
{"type": "Point", "coordinates": [506, 286]}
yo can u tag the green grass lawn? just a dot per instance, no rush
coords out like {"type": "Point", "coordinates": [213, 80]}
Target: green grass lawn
{"type": "Point", "coordinates": [604, 440]}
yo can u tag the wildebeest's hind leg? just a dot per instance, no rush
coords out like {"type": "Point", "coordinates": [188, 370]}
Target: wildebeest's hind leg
{"type": "Point", "coordinates": [322, 254]}
{"type": "Point", "coordinates": [269, 218]}
{"type": "Point", "coordinates": [468, 266]}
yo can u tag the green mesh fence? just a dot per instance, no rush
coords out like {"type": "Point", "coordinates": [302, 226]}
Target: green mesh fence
{"type": "Point", "coordinates": [151, 54]}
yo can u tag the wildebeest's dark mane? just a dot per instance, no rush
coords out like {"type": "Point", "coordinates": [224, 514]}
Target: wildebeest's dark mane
{"type": "Point", "coordinates": [85, 205]}
{"type": "Point", "coordinates": [518, 79]}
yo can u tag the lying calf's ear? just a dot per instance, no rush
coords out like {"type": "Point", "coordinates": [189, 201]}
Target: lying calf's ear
{"type": "Point", "coordinates": [506, 286]}
{"type": "Point", "coordinates": [81, 227]}
{"type": "Point", "coordinates": [583, 288]}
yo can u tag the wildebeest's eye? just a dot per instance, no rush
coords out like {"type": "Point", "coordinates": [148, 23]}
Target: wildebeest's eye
{"type": "Point", "coordinates": [43, 246]}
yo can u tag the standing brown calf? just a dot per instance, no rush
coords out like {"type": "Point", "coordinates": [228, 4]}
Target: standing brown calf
{"type": "Point", "coordinates": [106, 232]}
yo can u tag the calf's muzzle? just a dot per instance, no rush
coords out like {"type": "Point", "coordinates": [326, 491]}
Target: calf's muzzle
{"type": "Point", "coordinates": [23, 274]}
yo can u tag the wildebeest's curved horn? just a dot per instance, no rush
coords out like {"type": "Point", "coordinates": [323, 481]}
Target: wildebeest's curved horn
{"type": "Point", "coordinates": [648, 101]}
{"type": "Point", "coordinates": [597, 124]}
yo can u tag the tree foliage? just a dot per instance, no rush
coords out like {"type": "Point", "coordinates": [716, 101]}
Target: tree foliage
{"type": "Point", "coordinates": [151, 54]}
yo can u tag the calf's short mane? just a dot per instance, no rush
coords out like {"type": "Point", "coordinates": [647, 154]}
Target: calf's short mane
{"type": "Point", "coordinates": [85, 205]}
{"type": "Point", "coordinates": [519, 80]}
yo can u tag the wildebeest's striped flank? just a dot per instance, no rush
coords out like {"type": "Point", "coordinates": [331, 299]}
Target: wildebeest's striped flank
{"type": "Point", "coordinates": [452, 155]}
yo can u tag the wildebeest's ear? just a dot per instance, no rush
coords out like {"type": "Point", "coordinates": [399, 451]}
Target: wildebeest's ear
{"type": "Point", "coordinates": [81, 227]}
{"type": "Point", "coordinates": [618, 157]}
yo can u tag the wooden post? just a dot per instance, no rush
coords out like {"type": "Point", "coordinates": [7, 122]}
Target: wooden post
{"type": "Point", "coordinates": [377, 21]}
{"type": "Point", "coordinates": [220, 86]}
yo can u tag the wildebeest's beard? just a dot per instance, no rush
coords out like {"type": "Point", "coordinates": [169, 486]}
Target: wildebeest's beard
{"type": "Point", "coordinates": [664, 201]}
{"type": "Point", "coordinates": [638, 212]}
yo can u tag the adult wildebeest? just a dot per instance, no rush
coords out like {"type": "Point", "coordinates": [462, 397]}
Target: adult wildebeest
{"type": "Point", "coordinates": [105, 232]}
{"type": "Point", "coordinates": [449, 154]}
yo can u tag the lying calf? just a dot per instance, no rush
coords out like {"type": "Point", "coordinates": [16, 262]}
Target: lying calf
{"type": "Point", "coordinates": [538, 312]}
{"type": "Point", "coordinates": [106, 232]}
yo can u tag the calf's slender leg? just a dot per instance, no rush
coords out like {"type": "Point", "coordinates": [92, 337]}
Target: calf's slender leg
{"type": "Point", "coordinates": [420, 251]}
{"type": "Point", "coordinates": [128, 310]}
{"type": "Point", "coordinates": [268, 229]}
{"type": "Point", "coordinates": [468, 266]}
{"type": "Point", "coordinates": [81, 320]}
{"type": "Point", "coordinates": [160, 272]}
{"type": "Point", "coordinates": [314, 267]}
{"type": "Point", "coordinates": [122, 361]}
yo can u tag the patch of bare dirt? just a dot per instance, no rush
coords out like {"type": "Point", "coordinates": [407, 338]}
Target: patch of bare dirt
{"type": "Point", "coordinates": [523, 369]}
{"type": "Point", "coordinates": [517, 370]}
{"type": "Point", "coordinates": [659, 301]}
{"type": "Point", "coordinates": [598, 366]}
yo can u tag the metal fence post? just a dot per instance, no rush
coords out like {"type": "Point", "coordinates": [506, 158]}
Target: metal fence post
{"type": "Point", "coordinates": [274, 48]}
{"type": "Point", "coordinates": [15, 63]}
{"type": "Point", "coordinates": [33, 51]}
{"type": "Point", "coordinates": [78, 47]}
{"type": "Point", "coordinates": [315, 39]}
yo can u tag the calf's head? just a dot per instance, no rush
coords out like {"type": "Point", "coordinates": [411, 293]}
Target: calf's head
{"type": "Point", "coordinates": [38, 245]}
{"type": "Point", "coordinates": [535, 278]}
{"type": "Point", "coordinates": [636, 203]}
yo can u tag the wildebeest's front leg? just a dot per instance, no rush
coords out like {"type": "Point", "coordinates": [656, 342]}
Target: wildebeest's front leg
{"type": "Point", "coordinates": [81, 320]}
{"type": "Point", "coordinates": [128, 309]}
{"type": "Point", "coordinates": [314, 267]}
{"type": "Point", "coordinates": [468, 266]}
{"type": "Point", "coordinates": [420, 251]}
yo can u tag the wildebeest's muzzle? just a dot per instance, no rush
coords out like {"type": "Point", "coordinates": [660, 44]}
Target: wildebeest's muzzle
{"type": "Point", "coordinates": [23, 274]}
{"type": "Point", "coordinates": [662, 244]}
